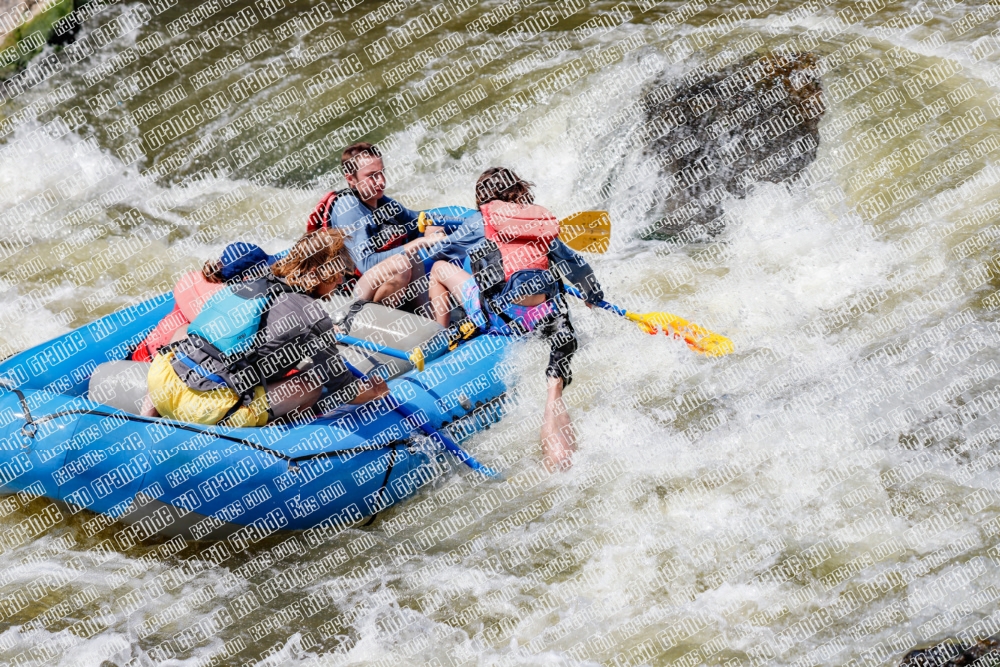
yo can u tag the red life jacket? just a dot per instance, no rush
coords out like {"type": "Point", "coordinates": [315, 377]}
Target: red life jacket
{"type": "Point", "coordinates": [320, 217]}
{"type": "Point", "coordinates": [522, 233]}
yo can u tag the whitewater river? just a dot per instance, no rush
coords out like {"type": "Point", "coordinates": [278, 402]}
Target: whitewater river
{"type": "Point", "coordinates": [827, 495]}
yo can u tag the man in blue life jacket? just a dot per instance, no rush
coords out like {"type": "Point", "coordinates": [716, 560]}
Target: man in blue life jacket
{"type": "Point", "coordinates": [381, 235]}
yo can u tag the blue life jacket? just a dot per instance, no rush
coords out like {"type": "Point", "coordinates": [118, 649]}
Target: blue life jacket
{"type": "Point", "coordinates": [231, 317]}
{"type": "Point", "coordinates": [222, 339]}
{"type": "Point", "coordinates": [510, 319]}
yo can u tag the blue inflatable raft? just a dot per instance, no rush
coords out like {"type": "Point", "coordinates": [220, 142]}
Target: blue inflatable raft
{"type": "Point", "coordinates": [69, 431]}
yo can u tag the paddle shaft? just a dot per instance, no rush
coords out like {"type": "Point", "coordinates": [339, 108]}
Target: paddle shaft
{"type": "Point", "coordinates": [617, 310]}
{"type": "Point", "coordinates": [695, 337]}
{"type": "Point", "coordinates": [433, 433]}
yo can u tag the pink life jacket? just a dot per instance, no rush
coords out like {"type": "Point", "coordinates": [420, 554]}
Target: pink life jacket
{"type": "Point", "coordinates": [192, 291]}
{"type": "Point", "coordinates": [190, 294]}
{"type": "Point", "coordinates": [522, 233]}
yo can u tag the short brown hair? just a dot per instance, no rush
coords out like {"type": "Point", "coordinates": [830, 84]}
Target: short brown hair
{"type": "Point", "coordinates": [502, 184]}
{"type": "Point", "coordinates": [349, 158]}
{"type": "Point", "coordinates": [315, 258]}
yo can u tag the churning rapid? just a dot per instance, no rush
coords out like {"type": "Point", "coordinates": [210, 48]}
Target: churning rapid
{"type": "Point", "coordinates": [827, 495]}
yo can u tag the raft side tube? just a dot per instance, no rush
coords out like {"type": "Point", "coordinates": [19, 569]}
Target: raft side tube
{"type": "Point", "coordinates": [118, 464]}
{"type": "Point", "coordinates": [165, 478]}
{"type": "Point", "coordinates": [65, 363]}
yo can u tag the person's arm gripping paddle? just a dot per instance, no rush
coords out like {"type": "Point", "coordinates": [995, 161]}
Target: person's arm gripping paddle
{"type": "Point", "coordinates": [576, 270]}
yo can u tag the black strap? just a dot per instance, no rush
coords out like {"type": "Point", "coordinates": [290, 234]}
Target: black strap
{"type": "Point", "coordinates": [325, 221]}
{"type": "Point", "coordinates": [170, 347]}
{"type": "Point", "coordinates": [232, 411]}
{"type": "Point", "coordinates": [274, 288]}
{"type": "Point", "coordinates": [558, 298]}
{"type": "Point", "coordinates": [29, 429]}
{"type": "Point", "coordinates": [385, 483]}
{"type": "Point", "coordinates": [507, 319]}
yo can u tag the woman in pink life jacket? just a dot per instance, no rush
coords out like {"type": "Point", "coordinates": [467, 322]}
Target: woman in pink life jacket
{"type": "Point", "coordinates": [515, 287]}
{"type": "Point", "coordinates": [238, 261]}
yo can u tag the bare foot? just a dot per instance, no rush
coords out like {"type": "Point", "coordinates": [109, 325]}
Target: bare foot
{"type": "Point", "coordinates": [147, 409]}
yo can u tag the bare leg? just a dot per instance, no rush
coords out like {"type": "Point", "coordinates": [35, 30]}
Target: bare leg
{"type": "Point", "coordinates": [558, 437]}
{"type": "Point", "coordinates": [180, 334]}
{"type": "Point", "coordinates": [298, 393]}
{"type": "Point", "coordinates": [291, 394]}
{"type": "Point", "coordinates": [391, 291]}
{"type": "Point", "coordinates": [438, 304]}
{"type": "Point", "coordinates": [377, 388]}
{"type": "Point", "coordinates": [384, 279]}
{"type": "Point", "coordinates": [445, 278]}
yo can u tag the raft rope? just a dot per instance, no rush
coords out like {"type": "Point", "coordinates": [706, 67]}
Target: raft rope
{"type": "Point", "coordinates": [34, 422]}
{"type": "Point", "coordinates": [408, 414]}
{"type": "Point", "coordinates": [385, 483]}
{"type": "Point", "coordinates": [432, 433]}
{"type": "Point", "coordinates": [292, 461]}
{"type": "Point", "coordinates": [28, 421]}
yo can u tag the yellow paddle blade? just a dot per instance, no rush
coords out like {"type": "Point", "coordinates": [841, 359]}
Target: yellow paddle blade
{"type": "Point", "coordinates": [587, 231]}
{"type": "Point", "coordinates": [698, 338]}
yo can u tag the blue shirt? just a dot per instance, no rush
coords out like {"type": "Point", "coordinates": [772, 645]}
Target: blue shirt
{"type": "Point", "coordinates": [367, 230]}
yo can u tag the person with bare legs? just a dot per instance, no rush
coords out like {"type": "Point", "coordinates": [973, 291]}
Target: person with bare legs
{"type": "Point", "coordinates": [448, 279]}
{"type": "Point", "coordinates": [516, 287]}
{"type": "Point", "coordinates": [381, 235]}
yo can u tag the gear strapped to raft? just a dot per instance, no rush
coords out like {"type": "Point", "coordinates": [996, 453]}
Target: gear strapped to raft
{"type": "Point", "coordinates": [226, 331]}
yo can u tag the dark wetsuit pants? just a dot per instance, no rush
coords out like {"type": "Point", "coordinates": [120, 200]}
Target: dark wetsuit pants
{"type": "Point", "coordinates": [554, 326]}
{"type": "Point", "coordinates": [559, 331]}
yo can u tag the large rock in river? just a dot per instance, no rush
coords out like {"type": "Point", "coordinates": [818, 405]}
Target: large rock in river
{"type": "Point", "coordinates": [754, 120]}
{"type": "Point", "coordinates": [951, 653]}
